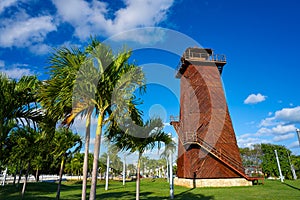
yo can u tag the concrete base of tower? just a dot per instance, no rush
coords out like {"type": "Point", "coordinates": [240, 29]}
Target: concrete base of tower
{"type": "Point", "coordinates": [220, 182]}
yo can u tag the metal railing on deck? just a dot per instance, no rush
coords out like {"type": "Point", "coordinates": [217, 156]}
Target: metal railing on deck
{"type": "Point", "coordinates": [218, 57]}
{"type": "Point", "coordinates": [226, 159]}
{"type": "Point", "coordinates": [189, 55]}
{"type": "Point", "coordinates": [204, 56]}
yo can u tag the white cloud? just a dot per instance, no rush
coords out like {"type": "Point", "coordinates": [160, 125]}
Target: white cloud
{"type": "Point", "coordinates": [23, 31]}
{"type": "Point", "coordinates": [244, 136]}
{"type": "Point", "coordinates": [283, 116]}
{"type": "Point", "coordinates": [247, 140]}
{"type": "Point", "coordinates": [167, 124]}
{"type": "Point", "coordinates": [277, 130]}
{"type": "Point", "coordinates": [270, 121]}
{"type": "Point", "coordinates": [6, 3]}
{"type": "Point", "coordinates": [255, 98]}
{"type": "Point", "coordinates": [264, 131]}
{"type": "Point", "coordinates": [40, 49]}
{"type": "Point", "coordinates": [90, 18]}
{"type": "Point", "coordinates": [294, 145]}
{"type": "Point", "coordinates": [87, 17]}
{"type": "Point", "coordinates": [16, 72]}
{"type": "Point", "coordinates": [80, 123]}
{"type": "Point", "coordinates": [92, 141]}
{"type": "Point", "coordinates": [283, 129]}
{"type": "Point", "coordinates": [280, 138]}
{"type": "Point", "coordinates": [289, 114]}
{"type": "Point", "coordinates": [270, 113]}
{"type": "Point", "coordinates": [277, 127]}
{"type": "Point", "coordinates": [267, 135]}
{"type": "Point", "coordinates": [141, 13]}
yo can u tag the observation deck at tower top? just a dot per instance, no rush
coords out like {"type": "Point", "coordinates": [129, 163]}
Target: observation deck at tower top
{"type": "Point", "coordinates": [200, 56]}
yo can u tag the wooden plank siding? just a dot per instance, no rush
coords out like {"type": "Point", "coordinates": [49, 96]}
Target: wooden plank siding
{"type": "Point", "coordinates": [207, 144]}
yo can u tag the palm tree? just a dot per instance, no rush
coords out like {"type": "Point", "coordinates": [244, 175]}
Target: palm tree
{"type": "Point", "coordinates": [37, 165]}
{"type": "Point", "coordinates": [63, 141]}
{"type": "Point", "coordinates": [18, 108]}
{"type": "Point", "coordinates": [83, 83]}
{"type": "Point", "coordinates": [150, 134]}
{"type": "Point", "coordinates": [117, 82]}
{"type": "Point", "coordinates": [20, 113]}
{"type": "Point", "coordinates": [74, 164]}
{"type": "Point", "coordinates": [144, 163]}
{"type": "Point", "coordinates": [57, 95]}
{"type": "Point", "coordinates": [26, 146]}
{"type": "Point", "coordinates": [131, 168]}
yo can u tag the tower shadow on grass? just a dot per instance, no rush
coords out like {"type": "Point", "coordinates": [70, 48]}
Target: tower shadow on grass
{"type": "Point", "coordinates": [122, 195]}
{"type": "Point", "coordinates": [190, 195]}
{"type": "Point", "coordinates": [291, 186]}
{"type": "Point", "coordinates": [40, 190]}
{"type": "Point", "coordinates": [187, 195]}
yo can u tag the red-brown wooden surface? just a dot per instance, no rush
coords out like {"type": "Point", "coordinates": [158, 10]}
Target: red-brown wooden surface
{"type": "Point", "coordinates": [207, 144]}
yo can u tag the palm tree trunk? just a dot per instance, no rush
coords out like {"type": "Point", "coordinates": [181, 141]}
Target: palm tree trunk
{"type": "Point", "coordinates": [20, 176]}
{"type": "Point", "coordinates": [86, 156]}
{"type": "Point", "coordinates": [96, 157]}
{"type": "Point", "coordinates": [137, 197]}
{"type": "Point", "coordinates": [107, 172]}
{"type": "Point", "coordinates": [60, 176]}
{"type": "Point", "coordinates": [171, 177]}
{"type": "Point", "coordinates": [37, 175]}
{"type": "Point", "coordinates": [168, 171]}
{"type": "Point", "coordinates": [25, 181]}
{"type": "Point", "coordinates": [124, 169]}
{"type": "Point", "coordinates": [4, 176]}
{"type": "Point", "coordinates": [15, 175]}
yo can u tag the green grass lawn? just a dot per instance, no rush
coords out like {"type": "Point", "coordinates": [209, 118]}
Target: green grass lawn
{"type": "Point", "coordinates": [157, 189]}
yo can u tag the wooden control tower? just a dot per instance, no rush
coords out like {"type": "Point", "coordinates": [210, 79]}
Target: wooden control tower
{"type": "Point", "coordinates": [207, 147]}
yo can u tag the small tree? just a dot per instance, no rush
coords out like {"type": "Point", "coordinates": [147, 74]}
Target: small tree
{"type": "Point", "coordinates": [252, 159]}
{"type": "Point", "coordinates": [57, 95]}
{"type": "Point", "coordinates": [26, 147]}
{"type": "Point", "coordinates": [18, 110]}
{"type": "Point", "coordinates": [150, 134]}
{"type": "Point", "coordinates": [269, 164]}
{"type": "Point", "coordinates": [117, 81]}
{"type": "Point", "coordinates": [62, 142]}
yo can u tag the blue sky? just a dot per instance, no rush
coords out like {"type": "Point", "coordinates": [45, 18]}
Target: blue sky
{"type": "Point", "coordinates": [259, 38]}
